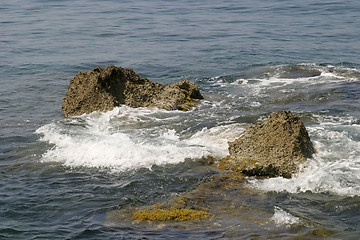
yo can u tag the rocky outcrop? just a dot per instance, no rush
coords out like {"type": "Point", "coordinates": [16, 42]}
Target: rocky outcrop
{"type": "Point", "coordinates": [104, 89]}
{"type": "Point", "coordinates": [274, 147]}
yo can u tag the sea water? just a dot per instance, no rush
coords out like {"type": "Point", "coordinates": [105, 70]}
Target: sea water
{"type": "Point", "coordinates": [60, 178]}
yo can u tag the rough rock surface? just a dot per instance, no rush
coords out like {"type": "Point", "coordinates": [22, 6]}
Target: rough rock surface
{"type": "Point", "coordinates": [274, 147]}
{"type": "Point", "coordinates": [104, 89]}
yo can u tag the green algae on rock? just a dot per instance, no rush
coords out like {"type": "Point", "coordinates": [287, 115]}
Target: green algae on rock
{"type": "Point", "coordinates": [104, 89]}
{"type": "Point", "coordinates": [274, 147]}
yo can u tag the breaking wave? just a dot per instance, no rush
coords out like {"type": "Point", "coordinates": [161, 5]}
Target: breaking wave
{"type": "Point", "coordinates": [127, 138]}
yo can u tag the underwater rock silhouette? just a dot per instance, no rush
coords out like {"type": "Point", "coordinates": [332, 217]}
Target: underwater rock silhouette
{"type": "Point", "coordinates": [299, 72]}
{"type": "Point", "coordinates": [104, 89]}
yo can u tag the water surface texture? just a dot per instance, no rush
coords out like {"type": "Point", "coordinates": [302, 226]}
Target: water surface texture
{"type": "Point", "coordinates": [62, 178]}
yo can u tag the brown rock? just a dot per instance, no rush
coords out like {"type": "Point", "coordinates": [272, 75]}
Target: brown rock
{"type": "Point", "coordinates": [275, 147]}
{"type": "Point", "coordinates": [104, 89]}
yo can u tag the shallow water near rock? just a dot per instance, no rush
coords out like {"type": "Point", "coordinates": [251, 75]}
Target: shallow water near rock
{"type": "Point", "coordinates": [77, 178]}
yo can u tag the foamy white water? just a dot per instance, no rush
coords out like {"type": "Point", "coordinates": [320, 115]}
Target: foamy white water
{"type": "Point", "coordinates": [127, 138]}
{"type": "Point", "coordinates": [283, 218]}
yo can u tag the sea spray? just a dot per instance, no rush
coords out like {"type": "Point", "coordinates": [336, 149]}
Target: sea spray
{"type": "Point", "coordinates": [283, 218]}
{"type": "Point", "coordinates": [127, 138]}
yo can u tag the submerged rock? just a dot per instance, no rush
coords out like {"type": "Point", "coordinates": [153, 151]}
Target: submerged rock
{"type": "Point", "coordinates": [104, 89]}
{"type": "Point", "coordinates": [274, 147]}
{"type": "Point", "coordinates": [299, 72]}
{"type": "Point", "coordinates": [204, 202]}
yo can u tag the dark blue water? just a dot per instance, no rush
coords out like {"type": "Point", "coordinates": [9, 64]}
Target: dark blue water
{"type": "Point", "coordinates": [61, 179]}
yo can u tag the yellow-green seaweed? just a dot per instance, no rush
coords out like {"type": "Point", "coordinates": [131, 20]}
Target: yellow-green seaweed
{"type": "Point", "coordinates": [181, 214]}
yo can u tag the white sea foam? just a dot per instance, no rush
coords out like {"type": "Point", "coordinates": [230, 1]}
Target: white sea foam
{"type": "Point", "coordinates": [127, 138]}
{"type": "Point", "coordinates": [257, 89]}
{"type": "Point", "coordinates": [335, 167]}
{"type": "Point", "coordinates": [328, 74]}
{"type": "Point", "coordinates": [216, 139]}
{"type": "Point", "coordinates": [284, 219]}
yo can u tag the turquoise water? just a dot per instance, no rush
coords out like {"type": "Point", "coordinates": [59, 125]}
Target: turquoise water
{"type": "Point", "coordinates": [61, 178]}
